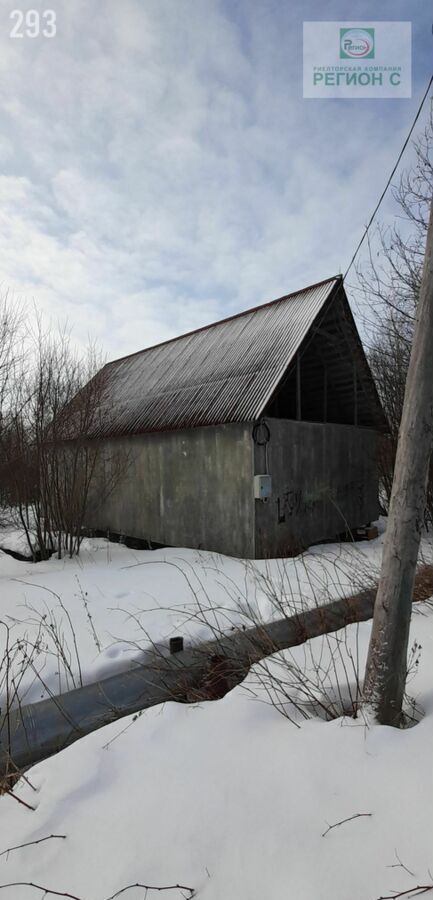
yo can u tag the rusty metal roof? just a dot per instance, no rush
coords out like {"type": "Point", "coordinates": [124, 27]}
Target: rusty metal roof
{"type": "Point", "coordinates": [224, 372]}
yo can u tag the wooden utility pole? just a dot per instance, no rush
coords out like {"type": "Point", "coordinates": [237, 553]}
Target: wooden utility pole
{"type": "Point", "coordinates": [385, 675]}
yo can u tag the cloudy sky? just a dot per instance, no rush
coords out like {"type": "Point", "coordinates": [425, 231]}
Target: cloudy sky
{"type": "Point", "coordinates": [160, 169]}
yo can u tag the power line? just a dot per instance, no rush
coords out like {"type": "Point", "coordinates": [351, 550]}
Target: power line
{"type": "Point", "coordinates": [389, 180]}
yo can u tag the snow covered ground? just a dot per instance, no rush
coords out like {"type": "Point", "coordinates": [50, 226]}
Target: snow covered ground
{"type": "Point", "coordinates": [229, 797]}
{"type": "Point", "coordinates": [81, 619]}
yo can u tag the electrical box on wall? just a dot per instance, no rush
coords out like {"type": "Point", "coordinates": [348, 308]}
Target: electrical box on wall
{"type": "Point", "coordinates": [262, 487]}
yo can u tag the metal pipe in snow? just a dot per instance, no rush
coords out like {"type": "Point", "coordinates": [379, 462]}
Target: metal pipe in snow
{"type": "Point", "coordinates": [38, 730]}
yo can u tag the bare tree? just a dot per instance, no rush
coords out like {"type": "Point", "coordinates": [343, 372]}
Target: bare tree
{"type": "Point", "coordinates": [11, 357]}
{"type": "Point", "coordinates": [11, 345]}
{"type": "Point", "coordinates": [390, 285]}
{"type": "Point", "coordinates": [49, 458]}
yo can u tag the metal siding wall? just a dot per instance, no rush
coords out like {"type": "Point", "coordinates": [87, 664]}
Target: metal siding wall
{"type": "Point", "coordinates": [324, 478]}
{"type": "Point", "coordinates": [190, 488]}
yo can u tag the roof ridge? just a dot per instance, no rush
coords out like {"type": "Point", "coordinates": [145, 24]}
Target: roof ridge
{"type": "Point", "coordinates": [238, 315]}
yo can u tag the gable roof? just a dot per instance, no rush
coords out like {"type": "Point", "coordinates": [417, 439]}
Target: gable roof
{"type": "Point", "coordinates": [224, 372]}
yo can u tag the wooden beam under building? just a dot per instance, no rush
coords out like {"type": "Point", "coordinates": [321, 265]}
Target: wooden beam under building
{"type": "Point", "coordinates": [355, 396]}
{"type": "Point", "coordinates": [325, 395]}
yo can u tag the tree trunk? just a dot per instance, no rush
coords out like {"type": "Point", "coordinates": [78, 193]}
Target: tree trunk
{"type": "Point", "coordinates": [385, 676]}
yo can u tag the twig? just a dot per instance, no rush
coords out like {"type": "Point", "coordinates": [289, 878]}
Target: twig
{"type": "Point", "coordinates": [152, 887]}
{"type": "Point", "coordinates": [27, 780]}
{"type": "Point", "coordinates": [400, 865]}
{"type": "Point", "coordinates": [18, 799]}
{"type": "Point", "coordinates": [356, 816]}
{"type": "Point", "coordinates": [147, 887]}
{"type": "Point", "coordinates": [30, 843]}
{"type": "Point", "coordinates": [38, 887]}
{"type": "Point", "coordinates": [413, 892]}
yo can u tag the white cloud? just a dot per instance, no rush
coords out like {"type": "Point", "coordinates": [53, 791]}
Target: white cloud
{"type": "Point", "coordinates": [161, 169]}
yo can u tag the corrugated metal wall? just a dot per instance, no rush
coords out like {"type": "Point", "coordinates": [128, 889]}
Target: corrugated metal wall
{"type": "Point", "coordinates": [324, 480]}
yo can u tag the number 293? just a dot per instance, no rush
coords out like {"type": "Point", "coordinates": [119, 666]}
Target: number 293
{"type": "Point", "coordinates": [31, 23]}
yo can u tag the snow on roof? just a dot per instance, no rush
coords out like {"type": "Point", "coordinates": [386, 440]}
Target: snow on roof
{"type": "Point", "coordinates": [224, 372]}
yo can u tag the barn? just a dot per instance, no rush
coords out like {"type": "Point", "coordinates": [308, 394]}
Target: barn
{"type": "Point", "coordinates": [253, 436]}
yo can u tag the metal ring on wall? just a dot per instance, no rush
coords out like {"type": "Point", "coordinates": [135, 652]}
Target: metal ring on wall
{"type": "Point", "coordinates": [261, 441]}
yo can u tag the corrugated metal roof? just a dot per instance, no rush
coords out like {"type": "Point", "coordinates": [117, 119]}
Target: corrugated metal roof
{"type": "Point", "coordinates": [225, 372]}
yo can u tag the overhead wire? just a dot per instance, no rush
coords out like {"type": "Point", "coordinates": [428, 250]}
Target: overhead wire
{"type": "Point", "coordinates": [391, 176]}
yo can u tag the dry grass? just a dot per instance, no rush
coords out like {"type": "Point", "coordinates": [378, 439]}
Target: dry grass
{"type": "Point", "coordinates": [423, 584]}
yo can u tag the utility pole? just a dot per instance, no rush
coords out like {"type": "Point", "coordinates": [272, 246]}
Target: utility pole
{"type": "Point", "coordinates": [385, 675]}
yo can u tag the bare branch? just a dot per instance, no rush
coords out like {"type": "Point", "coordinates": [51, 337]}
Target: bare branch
{"type": "Point", "coordinates": [44, 890]}
{"type": "Point", "coordinates": [356, 816]}
{"type": "Point", "coordinates": [400, 865]}
{"type": "Point", "coordinates": [152, 887]}
{"type": "Point", "coordinates": [411, 892]}
{"type": "Point", "coordinates": [32, 843]}
{"type": "Point", "coordinates": [146, 887]}
{"type": "Point", "coordinates": [19, 800]}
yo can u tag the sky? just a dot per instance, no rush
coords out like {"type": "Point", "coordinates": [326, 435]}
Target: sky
{"type": "Point", "coordinates": [160, 169]}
